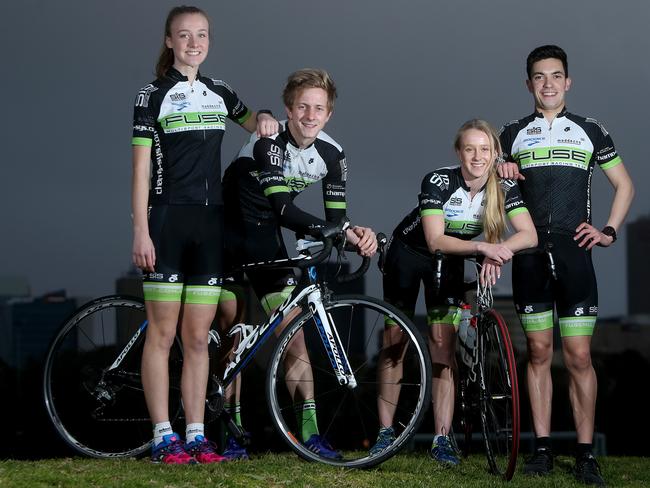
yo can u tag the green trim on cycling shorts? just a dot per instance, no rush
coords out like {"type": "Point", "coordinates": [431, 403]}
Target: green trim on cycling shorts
{"type": "Point", "coordinates": [444, 315]}
{"type": "Point", "coordinates": [577, 326]}
{"type": "Point", "coordinates": [162, 292]}
{"type": "Point", "coordinates": [201, 295]}
{"type": "Point", "coordinates": [231, 292]}
{"type": "Point", "coordinates": [271, 301]}
{"type": "Point", "coordinates": [533, 322]}
{"type": "Point", "coordinates": [388, 322]}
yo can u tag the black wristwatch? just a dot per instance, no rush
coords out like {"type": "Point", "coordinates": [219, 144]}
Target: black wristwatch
{"type": "Point", "coordinates": [263, 112]}
{"type": "Point", "coordinates": [610, 231]}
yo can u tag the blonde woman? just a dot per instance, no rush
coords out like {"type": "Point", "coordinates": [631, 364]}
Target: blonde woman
{"type": "Point", "coordinates": [456, 205]}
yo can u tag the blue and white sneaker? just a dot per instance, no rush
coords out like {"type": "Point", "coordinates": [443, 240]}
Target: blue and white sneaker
{"type": "Point", "coordinates": [319, 445]}
{"type": "Point", "coordinates": [443, 452]}
{"type": "Point", "coordinates": [385, 438]}
{"type": "Point", "coordinates": [234, 451]}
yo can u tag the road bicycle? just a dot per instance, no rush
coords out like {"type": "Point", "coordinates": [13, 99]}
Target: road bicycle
{"type": "Point", "coordinates": [93, 391]}
{"type": "Point", "coordinates": [487, 384]}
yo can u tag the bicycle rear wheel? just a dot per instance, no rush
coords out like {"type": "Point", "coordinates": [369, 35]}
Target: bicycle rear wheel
{"type": "Point", "coordinates": [92, 385]}
{"type": "Point", "coordinates": [348, 417]}
{"type": "Point", "coordinates": [499, 401]}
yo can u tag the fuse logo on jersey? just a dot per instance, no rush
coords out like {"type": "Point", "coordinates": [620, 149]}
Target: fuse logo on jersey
{"type": "Point", "coordinates": [193, 121]}
{"type": "Point", "coordinates": [464, 227]}
{"type": "Point", "coordinates": [555, 156]}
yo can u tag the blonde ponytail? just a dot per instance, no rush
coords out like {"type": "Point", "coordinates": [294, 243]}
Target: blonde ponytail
{"type": "Point", "coordinates": [494, 222]}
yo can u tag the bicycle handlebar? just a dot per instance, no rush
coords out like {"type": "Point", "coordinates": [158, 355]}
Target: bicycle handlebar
{"type": "Point", "coordinates": [327, 240]}
{"type": "Point", "coordinates": [363, 267]}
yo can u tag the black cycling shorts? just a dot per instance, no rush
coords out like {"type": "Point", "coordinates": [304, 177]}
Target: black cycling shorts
{"type": "Point", "coordinates": [255, 242]}
{"type": "Point", "coordinates": [405, 269]}
{"type": "Point", "coordinates": [188, 240]}
{"type": "Point", "coordinates": [574, 294]}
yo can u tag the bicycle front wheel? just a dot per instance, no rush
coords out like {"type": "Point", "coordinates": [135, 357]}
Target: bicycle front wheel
{"type": "Point", "coordinates": [499, 399]}
{"type": "Point", "coordinates": [348, 417]}
{"type": "Point", "coordinates": [92, 384]}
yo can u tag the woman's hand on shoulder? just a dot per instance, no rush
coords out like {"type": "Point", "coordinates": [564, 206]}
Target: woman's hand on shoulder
{"type": "Point", "coordinates": [267, 125]}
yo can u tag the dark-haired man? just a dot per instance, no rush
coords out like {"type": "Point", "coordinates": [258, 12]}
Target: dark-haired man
{"type": "Point", "coordinates": [553, 152]}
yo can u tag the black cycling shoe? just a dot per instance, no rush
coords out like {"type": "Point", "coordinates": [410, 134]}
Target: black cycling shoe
{"type": "Point", "coordinates": [541, 464]}
{"type": "Point", "coordinates": [587, 470]}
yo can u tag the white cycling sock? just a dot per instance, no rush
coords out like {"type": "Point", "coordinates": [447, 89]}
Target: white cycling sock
{"type": "Point", "coordinates": [192, 431]}
{"type": "Point", "coordinates": [160, 430]}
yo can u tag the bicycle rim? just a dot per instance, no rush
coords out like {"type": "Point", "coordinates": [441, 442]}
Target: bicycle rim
{"type": "Point", "coordinates": [499, 403]}
{"type": "Point", "coordinates": [348, 417]}
{"type": "Point", "coordinates": [100, 412]}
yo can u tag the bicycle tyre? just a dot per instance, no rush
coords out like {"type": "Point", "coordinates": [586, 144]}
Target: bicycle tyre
{"type": "Point", "coordinates": [466, 409]}
{"type": "Point", "coordinates": [99, 412]}
{"type": "Point", "coordinates": [499, 402]}
{"type": "Point", "coordinates": [348, 418]}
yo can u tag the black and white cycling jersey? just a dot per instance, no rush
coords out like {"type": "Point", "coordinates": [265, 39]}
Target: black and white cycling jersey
{"type": "Point", "coordinates": [558, 160]}
{"type": "Point", "coordinates": [268, 174]}
{"type": "Point", "coordinates": [445, 193]}
{"type": "Point", "coordinates": [184, 123]}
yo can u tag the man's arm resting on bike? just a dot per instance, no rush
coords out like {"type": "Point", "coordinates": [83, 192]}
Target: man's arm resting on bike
{"type": "Point", "coordinates": [364, 239]}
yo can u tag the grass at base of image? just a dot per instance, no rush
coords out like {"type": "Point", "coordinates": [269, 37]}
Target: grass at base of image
{"type": "Point", "coordinates": [287, 470]}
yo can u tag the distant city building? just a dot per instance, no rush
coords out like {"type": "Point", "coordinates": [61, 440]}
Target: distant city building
{"type": "Point", "coordinates": [638, 266]}
{"type": "Point", "coordinates": [28, 326]}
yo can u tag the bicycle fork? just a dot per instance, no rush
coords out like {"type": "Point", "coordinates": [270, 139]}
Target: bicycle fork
{"type": "Point", "coordinates": [331, 340]}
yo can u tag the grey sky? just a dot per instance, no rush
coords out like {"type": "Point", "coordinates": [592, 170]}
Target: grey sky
{"type": "Point", "coordinates": [409, 73]}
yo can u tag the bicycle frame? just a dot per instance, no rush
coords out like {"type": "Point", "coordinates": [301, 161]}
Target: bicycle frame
{"type": "Point", "coordinates": [309, 290]}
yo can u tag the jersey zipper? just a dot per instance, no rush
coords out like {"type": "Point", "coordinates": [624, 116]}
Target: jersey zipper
{"type": "Point", "coordinates": [549, 179]}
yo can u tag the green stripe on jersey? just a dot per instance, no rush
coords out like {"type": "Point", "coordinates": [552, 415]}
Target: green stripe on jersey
{"type": "Point", "coordinates": [180, 122]}
{"type": "Point", "coordinates": [335, 205]}
{"type": "Point", "coordinates": [517, 211]}
{"type": "Point", "coordinates": [612, 163]}
{"type": "Point", "coordinates": [275, 189]}
{"type": "Point", "coordinates": [553, 156]}
{"type": "Point", "coordinates": [431, 211]}
{"type": "Point", "coordinates": [141, 141]}
{"type": "Point", "coordinates": [241, 120]}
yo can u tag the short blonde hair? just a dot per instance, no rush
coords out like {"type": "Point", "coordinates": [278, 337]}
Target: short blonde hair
{"type": "Point", "coordinates": [309, 78]}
